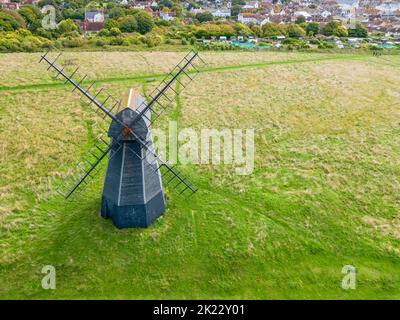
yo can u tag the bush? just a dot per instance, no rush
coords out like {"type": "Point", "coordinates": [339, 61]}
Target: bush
{"type": "Point", "coordinates": [144, 22]}
{"type": "Point", "coordinates": [115, 32]}
{"type": "Point", "coordinates": [43, 33]}
{"type": "Point", "coordinates": [70, 42]}
{"type": "Point", "coordinates": [8, 44]}
{"type": "Point", "coordinates": [8, 22]}
{"type": "Point", "coordinates": [101, 42]}
{"type": "Point", "coordinates": [116, 41]}
{"type": "Point", "coordinates": [312, 28]}
{"type": "Point", "coordinates": [360, 31]}
{"type": "Point", "coordinates": [128, 24]}
{"type": "Point", "coordinates": [66, 26]}
{"type": "Point", "coordinates": [334, 28]}
{"type": "Point", "coordinates": [104, 33]}
{"type": "Point", "coordinates": [271, 30]}
{"type": "Point", "coordinates": [153, 40]}
{"type": "Point", "coordinates": [295, 31]}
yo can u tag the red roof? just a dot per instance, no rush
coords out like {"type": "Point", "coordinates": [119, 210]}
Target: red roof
{"type": "Point", "coordinates": [91, 26]}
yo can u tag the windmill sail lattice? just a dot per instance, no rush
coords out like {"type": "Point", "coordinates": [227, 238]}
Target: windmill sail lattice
{"type": "Point", "coordinates": [132, 193]}
{"type": "Point", "coordinates": [163, 95]}
{"type": "Point", "coordinates": [87, 168]}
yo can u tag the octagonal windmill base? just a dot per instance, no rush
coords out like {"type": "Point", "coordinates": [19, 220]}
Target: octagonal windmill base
{"type": "Point", "coordinates": [133, 216]}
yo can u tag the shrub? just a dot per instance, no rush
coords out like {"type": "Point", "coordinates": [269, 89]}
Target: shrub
{"type": "Point", "coordinates": [271, 30]}
{"type": "Point", "coordinates": [116, 41]}
{"type": "Point", "coordinates": [101, 42]}
{"type": "Point", "coordinates": [127, 24]}
{"type": "Point", "coordinates": [144, 22]}
{"type": "Point", "coordinates": [115, 32]}
{"type": "Point", "coordinates": [104, 33]}
{"type": "Point", "coordinates": [70, 42]}
{"type": "Point", "coordinates": [295, 31]}
{"type": "Point", "coordinates": [334, 28]}
{"type": "Point", "coordinates": [8, 22]}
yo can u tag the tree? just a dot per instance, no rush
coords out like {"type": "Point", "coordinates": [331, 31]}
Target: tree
{"type": "Point", "coordinates": [111, 23]}
{"type": "Point", "coordinates": [177, 9]}
{"type": "Point", "coordinates": [295, 31]}
{"type": "Point", "coordinates": [77, 14]}
{"type": "Point", "coordinates": [272, 30]}
{"type": "Point", "coordinates": [16, 16]}
{"type": "Point", "coordinates": [116, 13]}
{"type": "Point", "coordinates": [32, 16]}
{"type": "Point", "coordinates": [43, 3]}
{"type": "Point", "coordinates": [256, 30]}
{"type": "Point", "coordinates": [312, 28]}
{"type": "Point", "coordinates": [127, 24]}
{"type": "Point", "coordinates": [235, 10]}
{"type": "Point", "coordinates": [204, 16]}
{"type": "Point", "coordinates": [67, 26]}
{"type": "Point", "coordinates": [8, 22]}
{"type": "Point", "coordinates": [238, 3]}
{"type": "Point", "coordinates": [165, 3]}
{"type": "Point", "coordinates": [341, 31]}
{"type": "Point", "coordinates": [334, 28]}
{"type": "Point", "coordinates": [241, 29]}
{"type": "Point", "coordinates": [144, 22]}
{"type": "Point", "coordinates": [360, 31]}
{"type": "Point", "coordinates": [115, 32]}
{"type": "Point", "coordinates": [300, 19]}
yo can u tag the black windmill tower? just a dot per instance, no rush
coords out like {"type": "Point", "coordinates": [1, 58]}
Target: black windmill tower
{"type": "Point", "coordinates": [132, 194]}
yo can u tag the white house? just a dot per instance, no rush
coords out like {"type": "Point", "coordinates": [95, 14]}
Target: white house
{"type": "Point", "coordinates": [325, 14]}
{"type": "Point", "coordinates": [246, 18]}
{"type": "Point", "coordinates": [93, 16]}
{"type": "Point", "coordinates": [221, 13]}
{"type": "Point", "coordinates": [166, 16]}
{"type": "Point", "coordinates": [305, 14]}
{"type": "Point", "coordinates": [251, 5]}
{"type": "Point", "coordinates": [264, 21]}
{"type": "Point", "coordinates": [196, 10]}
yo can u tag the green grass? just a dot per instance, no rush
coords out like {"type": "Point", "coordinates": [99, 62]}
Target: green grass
{"type": "Point", "coordinates": [323, 194]}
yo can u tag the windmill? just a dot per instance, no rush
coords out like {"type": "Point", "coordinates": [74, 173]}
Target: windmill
{"type": "Point", "coordinates": [132, 193]}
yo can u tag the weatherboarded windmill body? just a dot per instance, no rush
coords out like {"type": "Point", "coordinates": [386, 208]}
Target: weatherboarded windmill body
{"type": "Point", "coordinates": [133, 193]}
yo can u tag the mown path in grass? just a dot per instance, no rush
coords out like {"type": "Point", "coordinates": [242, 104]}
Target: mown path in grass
{"type": "Point", "coordinates": [139, 78]}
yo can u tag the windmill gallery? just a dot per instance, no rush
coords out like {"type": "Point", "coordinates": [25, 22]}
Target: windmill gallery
{"type": "Point", "coordinates": [132, 193]}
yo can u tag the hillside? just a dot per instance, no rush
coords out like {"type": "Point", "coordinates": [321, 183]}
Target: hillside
{"type": "Point", "coordinates": [323, 193]}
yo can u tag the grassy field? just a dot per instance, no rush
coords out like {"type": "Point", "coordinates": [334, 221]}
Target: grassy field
{"type": "Point", "coordinates": [324, 192]}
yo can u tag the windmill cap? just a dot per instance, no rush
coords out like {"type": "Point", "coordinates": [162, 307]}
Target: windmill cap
{"type": "Point", "coordinates": [132, 103]}
{"type": "Point", "coordinates": [129, 118]}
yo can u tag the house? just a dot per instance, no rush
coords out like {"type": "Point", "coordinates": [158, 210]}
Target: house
{"type": "Point", "coordinates": [221, 13]}
{"type": "Point", "coordinates": [10, 5]}
{"type": "Point", "coordinates": [325, 14]}
{"type": "Point", "coordinates": [32, 2]}
{"type": "Point", "coordinates": [354, 42]}
{"type": "Point", "coordinates": [251, 5]}
{"type": "Point", "coordinates": [167, 16]}
{"type": "Point", "coordinates": [89, 27]}
{"type": "Point", "coordinates": [305, 14]}
{"type": "Point", "coordinates": [264, 21]}
{"type": "Point", "coordinates": [196, 10]}
{"type": "Point", "coordinates": [94, 16]}
{"type": "Point", "coordinates": [247, 17]}
{"type": "Point", "coordinates": [141, 5]}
